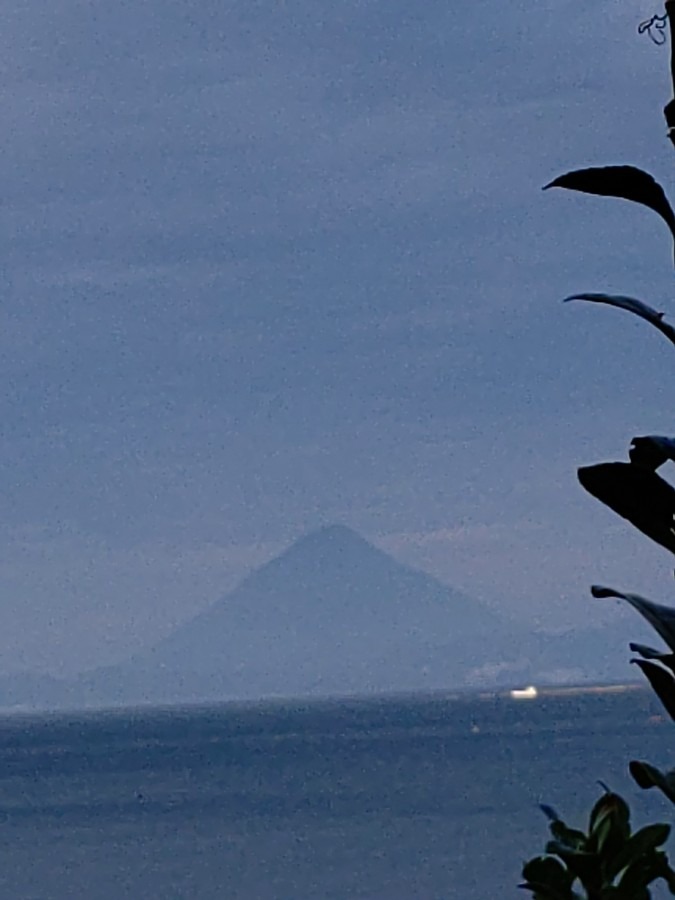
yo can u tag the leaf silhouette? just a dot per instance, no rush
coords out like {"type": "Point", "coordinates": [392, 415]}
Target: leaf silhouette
{"type": "Point", "coordinates": [625, 182]}
{"type": "Point", "coordinates": [547, 878]}
{"type": "Point", "coordinates": [636, 494]}
{"type": "Point", "coordinates": [651, 451]}
{"type": "Point", "coordinates": [549, 812]}
{"type": "Point", "coordinates": [630, 304]}
{"type": "Point", "coordinates": [640, 844]}
{"type": "Point", "coordinates": [667, 659]}
{"type": "Point", "coordinates": [661, 618]}
{"type": "Point", "coordinates": [647, 776]}
{"type": "Point", "coordinates": [662, 683]}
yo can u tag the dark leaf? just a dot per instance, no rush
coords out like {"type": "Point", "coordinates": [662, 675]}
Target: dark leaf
{"type": "Point", "coordinates": [542, 892]}
{"type": "Point", "coordinates": [652, 450]}
{"type": "Point", "coordinates": [649, 652]}
{"type": "Point", "coordinates": [662, 683]}
{"type": "Point", "coordinates": [549, 812]}
{"type": "Point", "coordinates": [640, 874]}
{"type": "Point", "coordinates": [583, 865]}
{"type": "Point", "coordinates": [570, 837]}
{"type": "Point", "coordinates": [625, 182]}
{"type": "Point", "coordinates": [647, 776]}
{"type": "Point", "coordinates": [661, 618]}
{"type": "Point", "coordinates": [667, 659]}
{"type": "Point", "coordinates": [610, 806]}
{"type": "Point", "coordinates": [548, 872]}
{"type": "Point", "coordinates": [636, 494]}
{"type": "Point", "coordinates": [630, 304]}
{"type": "Point", "coordinates": [640, 844]}
{"type": "Point", "coordinates": [609, 825]}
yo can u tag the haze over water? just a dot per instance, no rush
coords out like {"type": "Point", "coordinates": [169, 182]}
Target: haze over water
{"type": "Point", "coordinates": [423, 797]}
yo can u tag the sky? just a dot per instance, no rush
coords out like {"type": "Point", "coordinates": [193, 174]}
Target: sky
{"type": "Point", "coordinates": [269, 266]}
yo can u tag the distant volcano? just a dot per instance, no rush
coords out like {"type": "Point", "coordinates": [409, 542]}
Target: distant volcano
{"type": "Point", "coordinates": [334, 615]}
{"type": "Point", "coordinates": [330, 615]}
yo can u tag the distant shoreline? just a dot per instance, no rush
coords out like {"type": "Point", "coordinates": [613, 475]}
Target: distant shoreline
{"type": "Point", "coordinates": [449, 695]}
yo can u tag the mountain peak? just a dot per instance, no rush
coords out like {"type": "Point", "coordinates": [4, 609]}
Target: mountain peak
{"type": "Point", "coordinates": [334, 549]}
{"type": "Point", "coordinates": [334, 537]}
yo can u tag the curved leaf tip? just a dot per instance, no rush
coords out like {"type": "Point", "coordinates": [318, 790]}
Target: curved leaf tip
{"type": "Point", "coordinates": [624, 182]}
{"type": "Point", "coordinates": [549, 812]}
{"type": "Point", "coordinates": [597, 590]}
{"type": "Point", "coordinates": [629, 304]}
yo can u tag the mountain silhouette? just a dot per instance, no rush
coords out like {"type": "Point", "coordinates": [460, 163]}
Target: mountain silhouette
{"type": "Point", "coordinates": [335, 615]}
{"type": "Point", "coordinates": [316, 619]}
{"type": "Point", "coordinates": [331, 615]}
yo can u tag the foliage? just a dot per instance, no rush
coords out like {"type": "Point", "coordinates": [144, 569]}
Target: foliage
{"type": "Point", "coordinates": [608, 862]}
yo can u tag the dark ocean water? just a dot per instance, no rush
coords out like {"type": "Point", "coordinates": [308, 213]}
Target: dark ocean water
{"type": "Point", "coordinates": [423, 797]}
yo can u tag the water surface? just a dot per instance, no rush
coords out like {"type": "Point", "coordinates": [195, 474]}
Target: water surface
{"type": "Point", "coordinates": [418, 797]}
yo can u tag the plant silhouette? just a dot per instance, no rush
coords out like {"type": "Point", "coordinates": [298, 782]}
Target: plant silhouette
{"type": "Point", "coordinates": [608, 861]}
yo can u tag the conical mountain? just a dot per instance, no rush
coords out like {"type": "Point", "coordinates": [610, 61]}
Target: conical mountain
{"type": "Point", "coordinates": [318, 617]}
{"type": "Point", "coordinates": [335, 615]}
{"type": "Point", "coordinates": [330, 615]}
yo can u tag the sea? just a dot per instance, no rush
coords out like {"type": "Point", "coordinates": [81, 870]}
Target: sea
{"type": "Point", "coordinates": [385, 798]}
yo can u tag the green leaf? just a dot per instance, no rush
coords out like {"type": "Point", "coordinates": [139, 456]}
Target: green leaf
{"type": "Point", "coordinates": [642, 843]}
{"type": "Point", "coordinates": [570, 837]}
{"type": "Point", "coordinates": [582, 865]}
{"type": "Point", "coordinates": [549, 872]}
{"type": "Point", "coordinates": [640, 874]}
{"type": "Point", "coordinates": [609, 824]}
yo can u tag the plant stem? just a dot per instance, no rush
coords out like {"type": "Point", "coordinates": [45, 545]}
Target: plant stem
{"type": "Point", "coordinates": [669, 109]}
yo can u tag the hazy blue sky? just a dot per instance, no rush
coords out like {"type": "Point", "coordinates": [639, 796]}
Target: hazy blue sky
{"type": "Point", "coordinates": [272, 265]}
